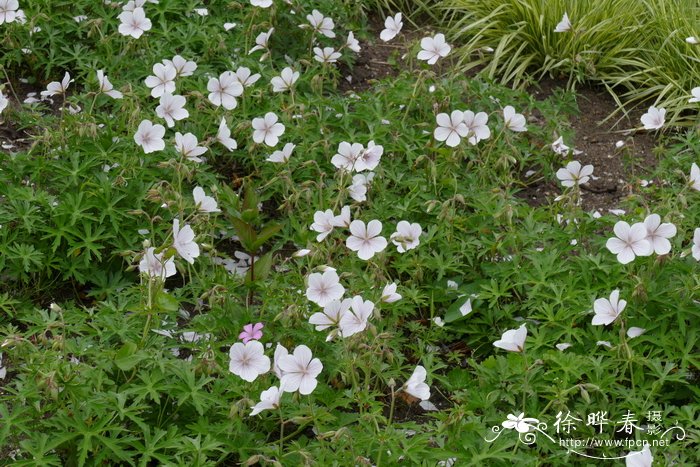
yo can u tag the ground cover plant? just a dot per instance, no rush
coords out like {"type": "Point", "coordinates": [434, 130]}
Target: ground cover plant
{"type": "Point", "coordinates": [216, 251]}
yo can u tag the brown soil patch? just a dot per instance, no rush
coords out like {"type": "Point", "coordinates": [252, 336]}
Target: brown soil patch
{"type": "Point", "coordinates": [619, 171]}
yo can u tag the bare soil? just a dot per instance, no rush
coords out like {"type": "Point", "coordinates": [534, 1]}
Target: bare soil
{"type": "Point", "coordinates": [619, 171]}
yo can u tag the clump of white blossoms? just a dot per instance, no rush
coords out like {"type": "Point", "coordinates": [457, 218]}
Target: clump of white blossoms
{"type": "Point", "coordinates": [433, 48]}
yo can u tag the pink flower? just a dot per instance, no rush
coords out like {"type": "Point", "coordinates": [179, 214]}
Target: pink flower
{"type": "Point", "coordinates": [251, 332]}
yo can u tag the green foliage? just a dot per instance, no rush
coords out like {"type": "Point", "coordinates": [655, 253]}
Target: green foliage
{"type": "Point", "coordinates": [129, 369]}
{"type": "Point", "coordinates": [635, 48]}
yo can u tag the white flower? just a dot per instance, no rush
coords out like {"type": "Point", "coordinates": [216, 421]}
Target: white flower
{"type": "Point", "coordinates": [658, 234]}
{"type": "Point", "coordinates": [696, 244]}
{"type": "Point", "coordinates": [261, 3]}
{"type": "Point", "coordinates": [323, 224]}
{"type": "Point", "coordinates": [654, 118]}
{"type": "Point", "coordinates": [559, 147]}
{"type": "Point", "coordinates": [433, 48]}
{"type": "Point", "coordinates": [451, 128]}
{"type": "Point", "coordinates": [162, 80]}
{"type": "Point", "coordinates": [513, 121]}
{"type": "Point", "coordinates": [564, 25]}
{"type": "Point", "coordinates": [392, 26]}
{"type": "Point", "coordinates": [153, 265]}
{"type": "Point", "coordinates": [520, 423]}
{"type": "Point", "coordinates": [8, 11]}
{"type": "Point", "coordinates": [203, 202]}
{"type": "Point", "coordinates": [331, 314]}
{"type": "Point", "coordinates": [407, 236]}
{"type": "Point", "coordinates": [416, 385]}
{"type": "Point", "coordinates": [282, 157]}
{"type": "Point", "coordinates": [574, 174]}
{"type": "Point", "coordinates": [629, 242]}
{"type": "Point", "coordinates": [269, 399]}
{"type": "Point", "coordinates": [134, 23]}
{"type": "Point", "coordinates": [285, 81]}
{"type": "Point", "coordinates": [695, 92]}
{"type": "Point", "coordinates": [641, 458]}
{"type": "Point", "coordinates": [513, 339]}
{"type": "Point", "coordinates": [182, 66]}
{"type": "Point", "coordinates": [466, 307]}
{"type": "Point", "coordinates": [342, 219]}
{"type": "Point", "coordinates": [248, 360]}
{"type": "Point", "coordinates": [358, 189]}
{"type": "Point", "coordinates": [261, 42]}
{"type": "Point", "coordinates": [106, 87]}
{"type": "Point", "coordinates": [563, 346]}
{"type": "Point", "coordinates": [223, 136]}
{"type": "Point", "coordinates": [172, 108]}
{"type": "Point", "coordinates": [347, 155]}
{"type": "Point", "coordinates": [635, 332]}
{"type": "Point", "coordinates": [365, 239]}
{"type": "Point", "coordinates": [299, 371]}
{"type": "Point", "coordinates": [695, 176]}
{"type": "Point", "coordinates": [389, 294]}
{"type": "Point", "coordinates": [321, 23]}
{"type": "Point", "coordinates": [246, 77]}
{"type": "Point", "coordinates": [355, 319]}
{"type": "Point", "coordinates": [54, 87]}
{"type": "Point", "coordinates": [326, 55]}
{"type": "Point", "coordinates": [183, 241]}
{"type": "Point", "coordinates": [607, 310]}
{"type": "Point", "coordinates": [201, 11]}
{"type": "Point", "coordinates": [3, 102]}
{"type": "Point", "coordinates": [324, 288]}
{"type": "Point", "coordinates": [150, 136]}
{"type": "Point", "coordinates": [224, 90]}
{"type": "Point", "coordinates": [369, 158]}
{"type": "Point", "coordinates": [692, 40]}
{"type": "Point", "coordinates": [280, 351]}
{"type": "Point", "coordinates": [267, 129]}
{"type": "Point", "coordinates": [476, 126]}
{"type": "Point", "coordinates": [352, 43]}
{"type": "Point", "coordinates": [187, 146]}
